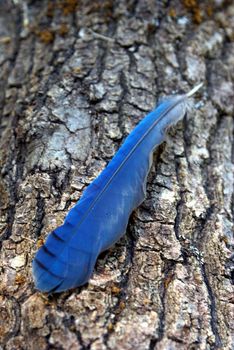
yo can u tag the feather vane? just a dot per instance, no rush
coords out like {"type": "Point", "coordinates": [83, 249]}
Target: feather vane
{"type": "Point", "coordinates": [100, 217]}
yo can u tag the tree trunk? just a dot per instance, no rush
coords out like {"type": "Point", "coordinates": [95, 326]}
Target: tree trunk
{"type": "Point", "coordinates": [76, 77]}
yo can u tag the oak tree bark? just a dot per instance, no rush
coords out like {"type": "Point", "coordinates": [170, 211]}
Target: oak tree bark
{"type": "Point", "coordinates": [75, 78]}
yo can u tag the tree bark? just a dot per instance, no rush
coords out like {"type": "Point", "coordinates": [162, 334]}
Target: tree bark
{"type": "Point", "coordinates": [76, 77]}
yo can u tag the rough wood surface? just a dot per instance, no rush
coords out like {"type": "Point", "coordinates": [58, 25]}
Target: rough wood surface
{"type": "Point", "coordinates": [75, 78]}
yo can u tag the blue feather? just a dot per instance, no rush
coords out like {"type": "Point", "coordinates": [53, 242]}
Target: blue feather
{"type": "Point", "coordinates": [100, 217]}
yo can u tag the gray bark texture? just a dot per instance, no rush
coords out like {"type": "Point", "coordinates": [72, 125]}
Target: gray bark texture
{"type": "Point", "coordinates": [75, 78]}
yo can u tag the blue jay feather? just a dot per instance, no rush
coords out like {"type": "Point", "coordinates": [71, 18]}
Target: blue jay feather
{"type": "Point", "coordinates": [100, 217]}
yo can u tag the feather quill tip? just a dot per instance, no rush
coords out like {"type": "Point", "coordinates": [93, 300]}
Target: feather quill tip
{"type": "Point", "coordinates": [194, 90]}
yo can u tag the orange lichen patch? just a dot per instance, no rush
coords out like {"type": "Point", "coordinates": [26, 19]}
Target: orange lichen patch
{"type": "Point", "coordinates": [110, 327]}
{"type": "Point", "coordinates": [66, 6]}
{"type": "Point", "coordinates": [197, 16]}
{"type": "Point", "coordinates": [77, 70]}
{"type": "Point", "coordinates": [147, 301]}
{"type": "Point", "coordinates": [40, 242]}
{"type": "Point", "coordinates": [209, 11]}
{"type": "Point", "coordinates": [69, 6]}
{"type": "Point", "coordinates": [172, 12]}
{"type": "Point", "coordinates": [63, 30]}
{"type": "Point", "coordinates": [190, 3]}
{"type": "Point", "coordinates": [20, 279]}
{"type": "Point", "coordinates": [115, 290]}
{"type": "Point", "coordinates": [46, 36]}
{"type": "Point", "coordinates": [193, 6]}
{"type": "Point", "coordinates": [122, 305]}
